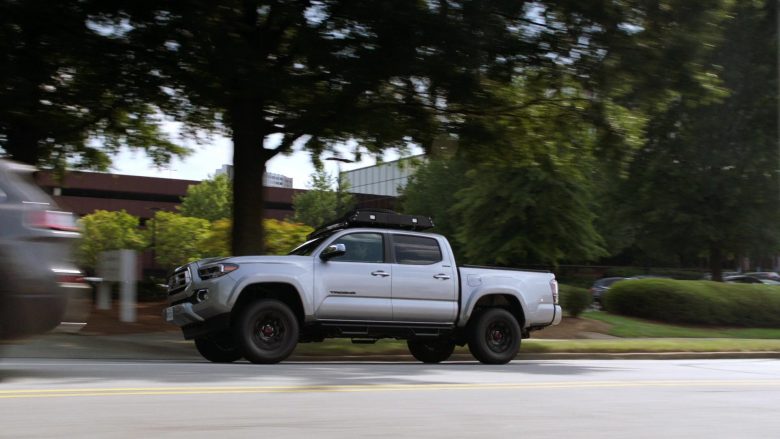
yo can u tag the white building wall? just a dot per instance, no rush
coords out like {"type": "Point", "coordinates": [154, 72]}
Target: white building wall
{"type": "Point", "coordinates": [382, 179]}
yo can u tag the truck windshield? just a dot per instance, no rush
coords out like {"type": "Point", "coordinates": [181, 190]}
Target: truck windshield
{"type": "Point", "coordinates": [308, 247]}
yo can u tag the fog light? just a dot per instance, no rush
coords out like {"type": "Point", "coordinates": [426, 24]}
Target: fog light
{"type": "Point", "coordinates": [202, 295]}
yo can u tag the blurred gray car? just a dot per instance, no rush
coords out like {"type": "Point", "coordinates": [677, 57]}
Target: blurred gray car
{"type": "Point", "coordinates": [602, 285]}
{"type": "Point", "coordinates": [42, 288]}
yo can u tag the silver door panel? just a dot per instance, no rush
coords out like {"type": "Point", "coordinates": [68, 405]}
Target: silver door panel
{"type": "Point", "coordinates": [424, 311]}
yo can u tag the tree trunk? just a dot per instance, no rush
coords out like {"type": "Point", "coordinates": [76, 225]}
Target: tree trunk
{"type": "Point", "coordinates": [249, 158]}
{"type": "Point", "coordinates": [23, 144]}
{"type": "Point", "coordinates": [716, 262]}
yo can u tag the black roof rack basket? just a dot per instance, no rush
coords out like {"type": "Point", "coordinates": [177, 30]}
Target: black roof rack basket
{"type": "Point", "coordinates": [375, 218]}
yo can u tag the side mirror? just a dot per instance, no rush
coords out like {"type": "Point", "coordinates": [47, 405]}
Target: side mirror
{"type": "Point", "coordinates": [333, 251]}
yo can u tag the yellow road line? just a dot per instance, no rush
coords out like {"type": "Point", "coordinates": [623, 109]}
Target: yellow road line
{"type": "Point", "coordinates": [131, 391]}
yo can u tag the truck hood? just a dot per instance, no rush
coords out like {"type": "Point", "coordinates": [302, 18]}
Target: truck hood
{"type": "Point", "coordinates": [270, 259]}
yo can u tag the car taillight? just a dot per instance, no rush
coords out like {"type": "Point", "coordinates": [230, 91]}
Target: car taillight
{"type": "Point", "coordinates": [52, 220]}
{"type": "Point", "coordinates": [70, 279]}
{"type": "Point", "coordinates": [66, 276]}
{"type": "Point", "coordinates": [554, 290]}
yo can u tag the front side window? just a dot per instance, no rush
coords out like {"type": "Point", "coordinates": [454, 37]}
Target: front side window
{"type": "Point", "coordinates": [361, 247]}
{"type": "Point", "coordinates": [416, 250]}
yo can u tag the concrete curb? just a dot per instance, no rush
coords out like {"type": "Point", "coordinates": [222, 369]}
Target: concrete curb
{"type": "Point", "coordinates": [170, 346]}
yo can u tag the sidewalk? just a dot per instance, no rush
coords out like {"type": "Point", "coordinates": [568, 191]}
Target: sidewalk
{"type": "Point", "coordinates": [151, 338]}
{"type": "Point", "coordinates": [170, 346]}
{"type": "Point", "coordinates": [141, 346]}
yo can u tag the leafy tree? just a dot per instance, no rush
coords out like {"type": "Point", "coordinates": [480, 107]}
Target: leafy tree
{"type": "Point", "coordinates": [104, 231]}
{"type": "Point", "coordinates": [706, 183]}
{"type": "Point", "coordinates": [433, 190]}
{"type": "Point", "coordinates": [314, 74]}
{"type": "Point", "coordinates": [321, 204]}
{"type": "Point", "coordinates": [178, 239]}
{"type": "Point", "coordinates": [69, 96]}
{"type": "Point", "coordinates": [283, 236]}
{"type": "Point", "coordinates": [217, 242]}
{"type": "Point", "coordinates": [295, 73]}
{"type": "Point", "coordinates": [211, 199]}
{"type": "Point", "coordinates": [531, 199]}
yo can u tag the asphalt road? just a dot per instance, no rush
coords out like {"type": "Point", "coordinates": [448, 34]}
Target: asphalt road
{"type": "Point", "coordinates": [574, 398]}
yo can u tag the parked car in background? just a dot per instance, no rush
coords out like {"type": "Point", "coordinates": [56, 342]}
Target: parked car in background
{"type": "Point", "coordinates": [602, 285]}
{"type": "Point", "coordinates": [745, 279]}
{"type": "Point", "coordinates": [768, 275]}
{"type": "Point", "coordinates": [725, 274]}
{"type": "Point", "coordinates": [42, 287]}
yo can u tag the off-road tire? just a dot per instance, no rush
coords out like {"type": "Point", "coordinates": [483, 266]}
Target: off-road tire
{"type": "Point", "coordinates": [218, 349]}
{"type": "Point", "coordinates": [431, 351]}
{"type": "Point", "coordinates": [494, 336]}
{"type": "Point", "coordinates": [266, 331]}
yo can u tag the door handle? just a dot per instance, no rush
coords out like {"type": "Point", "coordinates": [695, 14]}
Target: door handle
{"type": "Point", "coordinates": [441, 276]}
{"type": "Point", "coordinates": [380, 273]}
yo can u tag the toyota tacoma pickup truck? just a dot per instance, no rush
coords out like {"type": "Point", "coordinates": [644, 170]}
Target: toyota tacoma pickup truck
{"type": "Point", "coordinates": [371, 275]}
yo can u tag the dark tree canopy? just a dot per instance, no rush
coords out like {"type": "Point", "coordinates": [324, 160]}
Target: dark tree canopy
{"type": "Point", "coordinates": [311, 74]}
{"type": "Point", "coordinates": [706, 182]}
{"type": "Point", "coordinates": [62, 85]}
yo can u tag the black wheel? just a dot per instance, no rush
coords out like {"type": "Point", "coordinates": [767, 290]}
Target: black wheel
{"type": "Point", "coordinates": [494, 336]}
{"type": "Point", "coordinates": [266, 331]}
{"type": "Point", "coordinates": [431, 351]}
{"type": "Point", "coordinates": [218, 349]}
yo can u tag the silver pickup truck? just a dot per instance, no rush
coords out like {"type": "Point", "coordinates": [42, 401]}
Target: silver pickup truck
{"type": "Point", "coordinates": [362, 283]}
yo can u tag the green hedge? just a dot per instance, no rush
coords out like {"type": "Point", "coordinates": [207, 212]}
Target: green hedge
{"type": "Point", "coordinates": [575, 300]}
{"type": "Point", "coordinates": [696, 302]}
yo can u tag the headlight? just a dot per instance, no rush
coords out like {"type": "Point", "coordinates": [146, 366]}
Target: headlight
{"type": "Point", "coordinates": [215, 271]}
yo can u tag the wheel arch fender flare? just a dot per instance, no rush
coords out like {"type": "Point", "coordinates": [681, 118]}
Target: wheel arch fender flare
{"type": "Point", "coordinates": [498, 294]}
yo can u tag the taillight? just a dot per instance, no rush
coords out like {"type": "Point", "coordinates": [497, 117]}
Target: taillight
{"type": "Point", "coordinates": [71, 279]}
{"type": "Point", "coordinates": [66, 276]}
{"type": "Point", "coordinates": [554, 290]}
{"type": "Point", "coordinates": [52, 220]}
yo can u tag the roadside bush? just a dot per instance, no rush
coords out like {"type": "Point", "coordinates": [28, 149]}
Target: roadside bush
{"type": "Point", "coordinates": [575, 300]}
{"type": "Point", "coordinates": [696, 302]}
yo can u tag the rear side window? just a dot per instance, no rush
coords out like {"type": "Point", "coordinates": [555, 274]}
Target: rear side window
{"type": "Point", "coordinates": [416, 250]}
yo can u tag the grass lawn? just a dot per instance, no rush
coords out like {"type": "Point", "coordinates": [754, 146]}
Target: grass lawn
{"type": "Point", "coordinates": [633, 335]}
{"type": "Point", "coordinates": [628, 327]}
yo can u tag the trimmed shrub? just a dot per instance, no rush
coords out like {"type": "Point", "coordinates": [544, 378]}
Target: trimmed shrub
{"type": "Point", "coordinates": [575, 300]}
{"type": "Point", "coordinates": [696, 302]}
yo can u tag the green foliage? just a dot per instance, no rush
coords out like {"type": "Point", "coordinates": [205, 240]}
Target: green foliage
{"type": "Point", "coordinates": [630, 327]}
{"type": "Point", "coordinates": [177, 239]}
{"type": "Point", "coordinates": [211, 199]}
{"type": "Point", "coordinates": [706, 182]}
{"type": "Point", "coordinates": [283, 236]}
{"type": "Point", "coordinates": [103, 231]}
{"type": "Point", "coordinates": [321, 204]}
{"type": "Point", "coordinates": [575, 300]}
{"type": "Point", "coordinates": [65, 85]}
{"type": "Point", "coordinates": [432, 191]}
{"type": "Point", "coordinates": [217, 241]}
{"type": "Point", "coordinates": [696, 302]}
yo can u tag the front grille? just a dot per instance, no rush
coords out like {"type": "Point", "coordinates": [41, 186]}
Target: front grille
{"type": "Point", "coordinates": [179, 281]}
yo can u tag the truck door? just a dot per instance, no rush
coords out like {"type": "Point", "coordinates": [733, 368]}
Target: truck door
{"type": "Point", "coordinates": [425, 284]}
{"type": "Point", "coordinates": [357, 285]}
